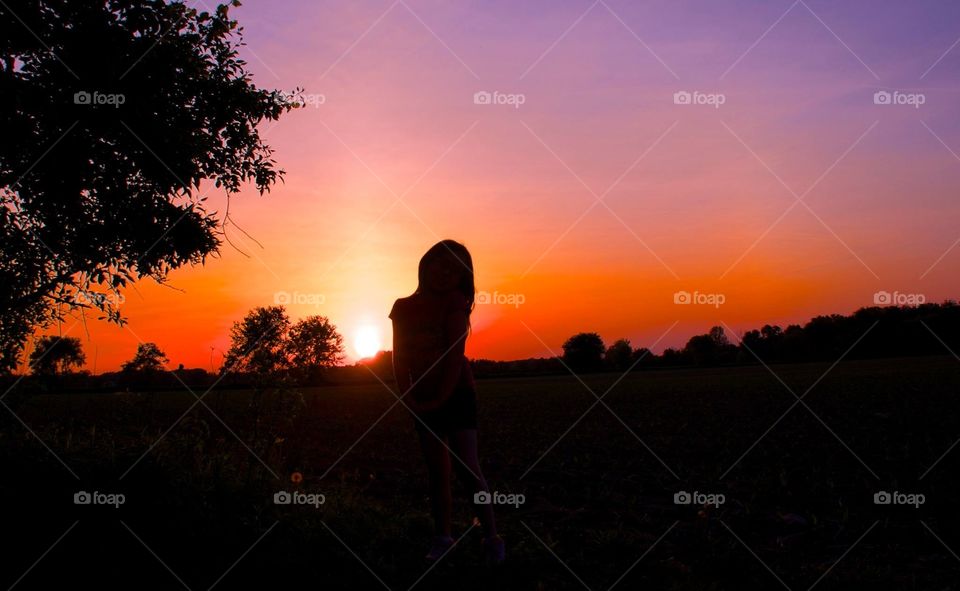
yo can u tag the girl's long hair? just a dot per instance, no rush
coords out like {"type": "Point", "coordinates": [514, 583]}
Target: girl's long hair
{"type": "Point", "coordinates": [460, 252]}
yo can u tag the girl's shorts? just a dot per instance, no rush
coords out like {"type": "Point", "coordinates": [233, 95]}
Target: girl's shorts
{"type": "Point", "coordinates": [457, 413]}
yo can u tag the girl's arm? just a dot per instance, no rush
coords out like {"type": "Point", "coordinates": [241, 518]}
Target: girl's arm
{"type": "Point", "coordinates": [401, 371]}
{"type": "Point", "coordinates": [455, 325]}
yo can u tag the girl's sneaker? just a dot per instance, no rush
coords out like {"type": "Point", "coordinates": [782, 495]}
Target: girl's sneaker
{"type": "Point", "coordinates": [494, 550]}
{"type": "Point", "coordinates": [439, 547]}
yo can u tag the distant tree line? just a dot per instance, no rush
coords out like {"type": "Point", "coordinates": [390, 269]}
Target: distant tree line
{"type": "Point", "coordinates": [268, 349]}
{"type": "Point", "coordinates": [928, 329]}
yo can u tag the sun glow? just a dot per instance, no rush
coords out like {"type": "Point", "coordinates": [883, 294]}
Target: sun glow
{"type": "Point", "coordinates": [366, 341]}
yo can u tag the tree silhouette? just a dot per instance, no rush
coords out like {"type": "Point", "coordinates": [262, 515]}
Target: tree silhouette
{"type": "Point", "coordinates": [710, 348]}
{"type": "Point", "coordinates": [149, 358]}
{"type": "Point", "coordinates": [258, 343]}
{"type": "Point", "coordinates": [766, 343]}
{"type": "Point", "coordinates": [266, 345]}
{"type": "Point", "coordinates": [618, 355]}
{"type": "Point", "coordinates": [642, 357]}
{"type": "Point", "coordinates": [313, 344]}
{"type": "Point", "coordinates": [584, 351]}
{"type": "Point", "coordinates": [53, 355]}
{"type": "Point", "coordinates": [113, 112]}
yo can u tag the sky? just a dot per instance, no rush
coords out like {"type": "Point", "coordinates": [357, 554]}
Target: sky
{"type": "Point", "coordinates": [644, 170]}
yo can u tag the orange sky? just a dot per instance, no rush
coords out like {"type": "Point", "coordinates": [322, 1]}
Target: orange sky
{"type": "Point", "coordinates": [692, 190]}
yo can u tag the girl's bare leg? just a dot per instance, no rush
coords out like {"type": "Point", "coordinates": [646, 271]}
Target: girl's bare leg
{"type": "Point", "coordinates": [438, 468]}
{"type": "Point", "coordinates": [464, 445]}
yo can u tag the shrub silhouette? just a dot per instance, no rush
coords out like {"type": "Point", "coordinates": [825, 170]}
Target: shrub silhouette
{"type": "Point", "coordinates": [584, 352]}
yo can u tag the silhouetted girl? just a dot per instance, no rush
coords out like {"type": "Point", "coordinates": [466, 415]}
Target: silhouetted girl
{"type": "Point", "coordinates": [429, 332]}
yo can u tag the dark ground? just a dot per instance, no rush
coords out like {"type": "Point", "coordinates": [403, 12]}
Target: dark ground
{"type": "Point", "coordinates": [599, 508]}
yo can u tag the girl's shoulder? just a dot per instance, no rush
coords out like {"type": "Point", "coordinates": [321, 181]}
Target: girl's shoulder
{"type": "Point", "coordinates": [399, 305]}
{"type": "Point", "coordinates": [421, 303]}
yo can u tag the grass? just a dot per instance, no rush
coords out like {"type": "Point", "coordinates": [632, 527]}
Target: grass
{"type": "Point", "coordinates": [599, 508]}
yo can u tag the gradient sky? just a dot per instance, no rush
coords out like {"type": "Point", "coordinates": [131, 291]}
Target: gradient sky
{"type": "Point", "coordinates": [690, 192]}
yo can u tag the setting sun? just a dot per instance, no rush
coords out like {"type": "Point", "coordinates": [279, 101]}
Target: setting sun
{"type": "Point", "coordinates": [366, 341]}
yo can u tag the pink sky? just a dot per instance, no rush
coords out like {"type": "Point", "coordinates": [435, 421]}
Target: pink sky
{"type": "Point", "coordinates": [691, 189]}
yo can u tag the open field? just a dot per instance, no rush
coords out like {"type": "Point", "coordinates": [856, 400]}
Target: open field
{"type": "Point", "coordinates": [599, 504]}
